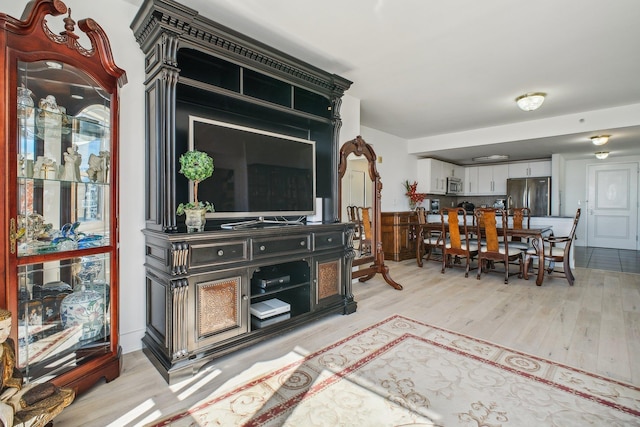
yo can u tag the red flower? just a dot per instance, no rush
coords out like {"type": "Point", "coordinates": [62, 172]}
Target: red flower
{"type": "Point", "coordinates": [415, 198]}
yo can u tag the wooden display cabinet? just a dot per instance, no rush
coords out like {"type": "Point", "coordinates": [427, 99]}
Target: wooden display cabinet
{"type": "Point", "coordinates": [60, 155]}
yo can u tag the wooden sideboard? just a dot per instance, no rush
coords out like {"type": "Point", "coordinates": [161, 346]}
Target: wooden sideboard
{"type": "Point", "coordinates": [398, 237]}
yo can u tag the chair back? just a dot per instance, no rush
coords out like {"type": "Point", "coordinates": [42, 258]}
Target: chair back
{"type": "Point", "coordinates": [458, 233]}
{"type": "Point", "coordinates": [421, 213]}
{"type": "Point", "coordinates": [572, 234]}
{"type": "Point", "coordinates": [486, 224]}
{"type": "Point", "coordinates": [354, 216]}
{"type": "Point", "coordinates": [521, 216]}
{"type": "Point", "coordinates": [366, 229]}
{"type": "Point", "coordinates": [365, 218]}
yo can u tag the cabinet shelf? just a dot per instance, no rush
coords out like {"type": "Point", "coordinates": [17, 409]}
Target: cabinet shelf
{"type": "Point", "coordinates": [257, 293]}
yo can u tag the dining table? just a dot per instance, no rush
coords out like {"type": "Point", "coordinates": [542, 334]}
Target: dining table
{"type": "Point", "coordinates": [535, 234]}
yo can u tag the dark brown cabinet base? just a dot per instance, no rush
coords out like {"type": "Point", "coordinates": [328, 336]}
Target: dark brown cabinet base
{"type": "Point", "coordinates": [398, 237]}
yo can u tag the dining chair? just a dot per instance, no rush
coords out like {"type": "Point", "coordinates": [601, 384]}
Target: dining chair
{"type": "Point", "coordinates": [365, 238]}
{"type": "Point", "coordinates": [458, 242]}
{"type": "Point", "coordinates": [496, 248]}
{"type": "Point", "coordinates": [521, 218]}
{"type": "Point", "coordinates": [352, 213]}
{"type": "Point", "coordinates": [428, 241]}
{"type": "Point", "coordinates": [556, 254]}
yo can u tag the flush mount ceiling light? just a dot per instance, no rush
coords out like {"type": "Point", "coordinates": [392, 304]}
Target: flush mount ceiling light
{"type": "Point", "coordinates": [491, 158]}
{"type": "Point", "coordinates": [601, 155]}
{"type": "Point", "coordinates": [530, 101]}
{"type": "Point", "coordinates": [600, 139]}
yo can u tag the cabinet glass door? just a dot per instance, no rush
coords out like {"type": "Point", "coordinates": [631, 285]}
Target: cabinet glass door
{"type": "Point", "coordinates": [63, 159]}
{"type": "Point", "coordinates": [63, 238]}
{"type": "Point", "coordinates": [63, 313]}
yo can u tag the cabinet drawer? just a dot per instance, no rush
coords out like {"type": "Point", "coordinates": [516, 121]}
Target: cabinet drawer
{"type": "Point", "coordinates": [328, 240]}
{"type": "Point", "coordinates": [261, 248]}
{"type": "Point", "coordinates": [202, 255]}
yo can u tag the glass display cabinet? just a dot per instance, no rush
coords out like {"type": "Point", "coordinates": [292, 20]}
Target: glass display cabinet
{"type": "Point", "coordinates": [60, 252]}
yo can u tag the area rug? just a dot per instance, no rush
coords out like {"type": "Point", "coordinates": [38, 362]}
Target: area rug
{"type": "Point", "coordinates": [401, 372]}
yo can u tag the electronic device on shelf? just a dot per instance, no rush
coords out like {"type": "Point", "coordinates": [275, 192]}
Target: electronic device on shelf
{"type": "Point", "coordinates": [269, 308]}
{"type": "Point", "coordinates": [262, 323]}
{"type": "Point", "coordinates": [270, 279]}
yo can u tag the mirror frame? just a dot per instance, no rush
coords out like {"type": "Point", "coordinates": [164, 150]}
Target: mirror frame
{"type": "Point", "coordinates": [359, 147]}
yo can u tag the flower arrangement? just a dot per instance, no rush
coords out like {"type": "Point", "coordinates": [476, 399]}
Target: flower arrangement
{"type": "Point", "coordinates": [415, 198]}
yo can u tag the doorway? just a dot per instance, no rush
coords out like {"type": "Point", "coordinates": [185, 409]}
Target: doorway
{"type": "Point", "coordinates": [356, 185]}
{"type": "Point", "coordinates": [612, 214]}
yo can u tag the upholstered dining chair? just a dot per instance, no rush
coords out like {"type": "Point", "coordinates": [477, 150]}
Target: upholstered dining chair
{"type": "Point", "coordinates": [556, 254]}
{"type": "Point", "coordinates": [496, 245]}
{"type": "Point", "coordinates": [458, 244]}
{"type": "Point", "coordinates": [428, 241]}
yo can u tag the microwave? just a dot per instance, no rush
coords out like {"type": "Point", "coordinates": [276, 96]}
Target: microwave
{"type": "Point", "coordinates": [454, 185]}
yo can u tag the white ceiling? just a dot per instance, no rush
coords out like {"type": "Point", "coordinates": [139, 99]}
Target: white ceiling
{"type": "Point", "coordinates": [429, 68]}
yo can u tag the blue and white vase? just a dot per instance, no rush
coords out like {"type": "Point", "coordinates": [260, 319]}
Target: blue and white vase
{"type": "Point", "coordinates": [84, 309]}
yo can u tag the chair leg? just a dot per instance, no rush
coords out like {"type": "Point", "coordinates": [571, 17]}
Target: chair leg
{"type": "Point", "coordinates": [480, 262]}
{"type": "Point", "coordinates": [444, 263]}
{"type": "Point", "coordinates": [506, 272]}
{"type": "Point", "coordinates": [567, 271]}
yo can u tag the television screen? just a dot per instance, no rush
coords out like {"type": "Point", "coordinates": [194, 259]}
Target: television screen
{"type": "Point", "coordinates": [256, 173]}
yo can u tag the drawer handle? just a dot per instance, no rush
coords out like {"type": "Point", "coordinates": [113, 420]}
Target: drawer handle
{"type": "Point", "coordinates": [262, 248]}
{"type": "Point", "coordinates": [302, 243]}
{"type": "Point", "coordinates": [220, 252]}
{"type": "Point", "coordinates": [330, 239]}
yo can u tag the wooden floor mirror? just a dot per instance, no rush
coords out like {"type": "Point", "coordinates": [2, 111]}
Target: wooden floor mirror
{"type": "Point", "coordinates": [361, 191]}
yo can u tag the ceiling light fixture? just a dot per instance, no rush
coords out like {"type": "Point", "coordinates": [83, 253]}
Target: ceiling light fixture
{"type": "Point", "coordinates": [530, 101]}
{"type": "Point", "coordinates": [600, 139]}
{"type": "Point", "coordinates": [601, 155]}
{"type": "Point", "coordinates": [491, 158]}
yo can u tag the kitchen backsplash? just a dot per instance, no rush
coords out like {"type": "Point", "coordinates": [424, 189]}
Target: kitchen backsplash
{"type": "Point", "coordinates": [478, 201]}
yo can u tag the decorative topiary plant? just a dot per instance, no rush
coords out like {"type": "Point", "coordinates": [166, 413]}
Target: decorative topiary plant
{"type": "Point", "coordinates": [196, 166]}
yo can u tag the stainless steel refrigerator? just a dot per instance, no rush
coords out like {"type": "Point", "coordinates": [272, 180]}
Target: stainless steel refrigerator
{"type": "Point", "coordinates": [532, 193]}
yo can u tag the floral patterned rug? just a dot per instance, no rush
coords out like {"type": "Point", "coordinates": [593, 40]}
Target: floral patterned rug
{"type": "Point", "coordinates": [401, 372]}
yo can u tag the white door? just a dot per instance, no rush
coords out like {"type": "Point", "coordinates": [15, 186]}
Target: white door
{"type": "Point", "coordinates": [354, 185]}
{"type": "Point", "coordinates": [612, 215]}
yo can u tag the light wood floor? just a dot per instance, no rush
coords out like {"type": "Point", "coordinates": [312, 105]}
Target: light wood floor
{"type": "Point", "coordinates": [594, 325]}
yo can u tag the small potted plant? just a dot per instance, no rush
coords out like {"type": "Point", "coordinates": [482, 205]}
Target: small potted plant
{"type": "Point", "coordinates": [196, 166]}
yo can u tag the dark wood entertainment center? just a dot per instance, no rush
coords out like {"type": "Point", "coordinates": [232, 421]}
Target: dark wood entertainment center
{"type": "Point", "coordinates": [199, 285]}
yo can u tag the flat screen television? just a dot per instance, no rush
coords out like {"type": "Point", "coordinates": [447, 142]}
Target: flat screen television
{"type": "Point", "coordinates": [257, 174]}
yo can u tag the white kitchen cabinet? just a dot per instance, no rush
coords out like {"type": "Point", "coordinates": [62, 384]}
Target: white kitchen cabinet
{"type": "Point", "coordinates": [471, 181]}
{"type": "Point", "coordinates": [492, 179]}
{"type": "Point", "coordinates": [458, 171]}
{"type": "Point", "coordinates": [432, 176]}
{"type": "Point", "coordinates": [530, 169]}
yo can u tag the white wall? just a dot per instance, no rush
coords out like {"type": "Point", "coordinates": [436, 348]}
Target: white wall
{"type": "Point", "coordinates": [396, 167]}
{"type": "Point", "coordinates": [350, 114]}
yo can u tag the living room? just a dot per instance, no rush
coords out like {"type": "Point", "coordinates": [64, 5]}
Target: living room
{"type": "Point", "coordinates": [395, 167]}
